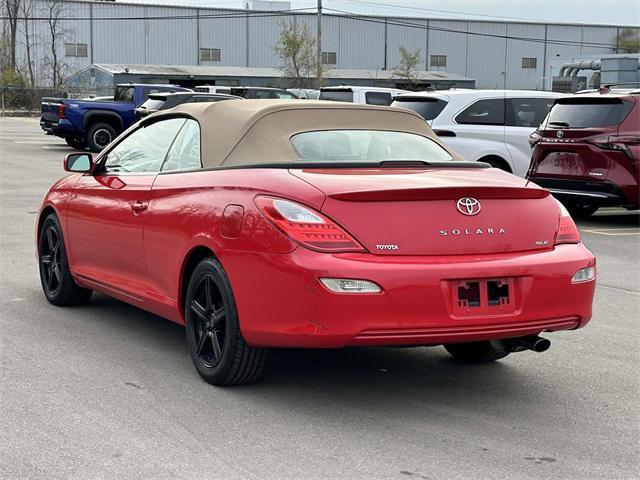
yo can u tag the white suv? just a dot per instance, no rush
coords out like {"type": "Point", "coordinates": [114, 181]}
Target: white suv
{"type": "Point", "coordinates": [353, 94]}
{"type": "Point", "coordinates": [491, 126]}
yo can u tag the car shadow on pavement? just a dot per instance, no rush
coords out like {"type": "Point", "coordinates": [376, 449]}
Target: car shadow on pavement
{"type": "Point", "coordinates": [611, 218]}
{"type": "Point", "coordinates": [376, 378]}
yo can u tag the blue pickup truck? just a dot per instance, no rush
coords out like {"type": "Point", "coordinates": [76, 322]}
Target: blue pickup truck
{"type": "Point", "coordinates": [95, 123]}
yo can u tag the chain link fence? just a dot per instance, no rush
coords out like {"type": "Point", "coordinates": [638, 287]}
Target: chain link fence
{"type": "Point", "coordinates": [25, 101]}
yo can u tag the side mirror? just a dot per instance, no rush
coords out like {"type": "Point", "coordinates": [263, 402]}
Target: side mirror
{"type": "Point", "coordinates": [78, 162]}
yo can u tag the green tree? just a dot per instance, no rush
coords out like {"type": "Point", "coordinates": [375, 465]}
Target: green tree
{"type": "Point", "coordinates": [629, 40]}
{"type": "Point", "coordinates": [406, 68]}
{"type": "Point", "coordinates": [296, 49]}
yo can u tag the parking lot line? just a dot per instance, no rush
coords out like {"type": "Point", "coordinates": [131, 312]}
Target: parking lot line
{"type": "Point", "coordinates": [614, 232]}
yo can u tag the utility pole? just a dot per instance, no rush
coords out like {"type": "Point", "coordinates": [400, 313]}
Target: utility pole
{"type": "Point", "coordinates": [319, 46]}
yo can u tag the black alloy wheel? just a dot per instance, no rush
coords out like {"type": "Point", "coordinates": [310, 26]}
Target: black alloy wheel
{"type": "Point", "coordinates": [51, 260]}
{"type": "Point", "coordinates": [218, 349]}
{"type": "Point", "coordinates": [209, 310]}
{"type": "Point", "coordinates": [57, 283]}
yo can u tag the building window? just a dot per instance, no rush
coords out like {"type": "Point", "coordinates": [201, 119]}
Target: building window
{"type": "Point", "coordinates": [209, 54]}
{"type": "Point", "coordinates": [529, 62]}
{"type": "Point", "coordinates": [438, 61]}
{"type": "Point", "coordinates": [75, 49]}
{"type": "Point", "coordinates": [329, 58]}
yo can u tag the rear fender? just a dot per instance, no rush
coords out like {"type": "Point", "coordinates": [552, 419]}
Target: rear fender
{"type": "Point", "coordinates": [93, 116]}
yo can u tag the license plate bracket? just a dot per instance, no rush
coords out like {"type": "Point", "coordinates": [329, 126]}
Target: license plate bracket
{"type": "Point", "coordinates": [483, 296]}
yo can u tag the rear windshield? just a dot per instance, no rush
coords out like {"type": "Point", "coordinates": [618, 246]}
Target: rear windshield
{"type": "Point", "coordinates": [123, 94]}
{"type": "Point", "coordinates": [586, 113]}
{"type": "Point", "coordinates": [427, 108]}
{"type": "Point", "coordinates": [153, 104]}
{"type": "Point", "coordinates": [366, 146]}
{"type": "Point", "coordinates": [336, 95]}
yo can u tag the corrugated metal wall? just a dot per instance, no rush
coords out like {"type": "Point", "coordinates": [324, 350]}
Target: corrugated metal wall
{"type": "Point", "coordinates": [495, 61]}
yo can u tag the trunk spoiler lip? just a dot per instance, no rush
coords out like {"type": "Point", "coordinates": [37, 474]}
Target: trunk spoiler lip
{"type": "Point", "coordinates": [442, 193]}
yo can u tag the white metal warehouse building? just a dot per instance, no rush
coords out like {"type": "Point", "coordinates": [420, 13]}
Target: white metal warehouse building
{"type": "Point", "coordinates": [496, 54]}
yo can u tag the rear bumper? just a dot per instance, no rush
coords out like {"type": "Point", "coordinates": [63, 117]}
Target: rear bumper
{"type": "Point", "coordinates": [603, 193]}
{"type": "Point", "coordinates": [63, 128]}
{"type": "Point", "coordinates": [281, 302]}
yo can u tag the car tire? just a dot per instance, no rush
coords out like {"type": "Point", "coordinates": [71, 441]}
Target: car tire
{"type": "Point", "coordinates": [218, 349]}
{"type": "Point", "coordinates": [497, 162]}
{"type": "Point", "coordinates": [99, 135]}
{"type": "Point", "coordinates": [582, 210]}
{"type": "Point", "coordinates": [57, 283]}
{"type": "Point", "coordinates": [475, 352]}
{"type": "Point", "coordinates": [76, 143]}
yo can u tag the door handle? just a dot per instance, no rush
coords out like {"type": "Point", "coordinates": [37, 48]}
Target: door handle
{"type": "Point", "coordinates": [138, 207]}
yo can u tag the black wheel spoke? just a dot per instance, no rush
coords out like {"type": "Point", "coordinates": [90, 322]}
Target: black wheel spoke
{"type": "Point", "coordinates": [48, 276]}
{"type": "Point", "coordinates": [55, 268]}
{"type": "Point", "coordinates": [208, 294]}
{"type": "Point", "coordinates": [217, 349]}
{"type": "Point", "coordinates": [50, 239]}
{"type": "Point", "coordinates": [45, 259]}
{"type": "Point", "coordinates": [203, 341]}
{"type": "Point", "coordinates": [219, 314]}
{"type": "Point", "coordinates": [199, 310]}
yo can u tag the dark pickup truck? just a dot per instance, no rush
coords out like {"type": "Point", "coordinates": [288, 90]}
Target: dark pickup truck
{"type": "Point", "coordinates": [95, 123]}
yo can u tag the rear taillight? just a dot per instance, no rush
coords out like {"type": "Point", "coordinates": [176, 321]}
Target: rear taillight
{"type": "Point", "coordinates": [567, 230]}
{"type": "Point", "coordinates": [61, 111]}
{"type": "Point", "coordinates": [617, 143]}
{"type": "Point", "coordinates": [306, 226]}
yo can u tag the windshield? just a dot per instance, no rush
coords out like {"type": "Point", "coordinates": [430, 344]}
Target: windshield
{"type": "Point", "coordinates": [123, 94]}
{"type": "Point", "coordinates": [427, 108]}
{"type": "Point", "coordinates": [587, 113]}
{"type": "Point", "coordinates": [366, 146]}
{"type": "Point", "coordinates": [336, 95]}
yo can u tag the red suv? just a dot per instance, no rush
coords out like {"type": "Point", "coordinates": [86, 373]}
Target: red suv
{"type": "Point", "coordinates": [587, 151]}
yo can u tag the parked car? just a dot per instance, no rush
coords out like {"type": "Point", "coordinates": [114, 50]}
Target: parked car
{"type": "Point", "coordinates": [249, 92]}
{"type": "Point", "coordinates": [95, 123]}
{"type": "Point", "coordinates": [357, 94]}
{"type": "Point", "coordinates": [305, 93]}
{"type": "Point", "coordinates": [491, 126]}
{"type": "Point", "coordinates": [166, 100]}
{"type": "Point", "coordinates": [312, 224]}
{"type": "Point", "coordinates": [587, 151]}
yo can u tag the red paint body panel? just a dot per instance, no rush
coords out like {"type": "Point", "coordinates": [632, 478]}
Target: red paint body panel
{"type": "Point", "coordinates": [139, 256]}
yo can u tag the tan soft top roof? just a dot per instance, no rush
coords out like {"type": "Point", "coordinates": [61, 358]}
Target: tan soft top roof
{"type": "Point", "coordinates": [258, 131]}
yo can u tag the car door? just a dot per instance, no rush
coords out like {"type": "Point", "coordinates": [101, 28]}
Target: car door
{"type": "Point", "coordinates": [523, 116]}
{"type": "Point", "coordinates": [106, 214]}
{"type": "Point", "coordinates": [177, 190]}
{"type": "Point", "coordinates": [478, 129]}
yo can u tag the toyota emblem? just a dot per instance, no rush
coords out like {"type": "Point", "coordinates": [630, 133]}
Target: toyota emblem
{"type": "Point", "coordinates": [468, 206]}
{"type": "Point", "coordinates": [559, 134]}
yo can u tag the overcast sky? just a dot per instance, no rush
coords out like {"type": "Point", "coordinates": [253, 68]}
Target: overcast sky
{"type": "Point", "coordinates": [616, 12]}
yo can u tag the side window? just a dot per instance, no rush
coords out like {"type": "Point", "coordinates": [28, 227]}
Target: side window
{"type": "Point", "coordinates": [377, 98]}
{"type": "Point", "coordinates": [185, 151]}
{"type": "Point", "coordinates": [285, 95]}
{"type": "Point", "coordinates": [527, 112]}
{"type": "Point", "coordinates": [144, 150]}
{"type": "Point", "coordinates": [483, 112]}
{"type": "Point", "coordinates": [264, 94]}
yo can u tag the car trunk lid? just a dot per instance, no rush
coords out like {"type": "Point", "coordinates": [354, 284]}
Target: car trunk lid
{"type": "Point", "coordinates": [421, 211]}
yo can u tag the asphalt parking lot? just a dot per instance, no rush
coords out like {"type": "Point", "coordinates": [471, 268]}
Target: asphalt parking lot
{"type": "Point", "coordinates": [109, 391]}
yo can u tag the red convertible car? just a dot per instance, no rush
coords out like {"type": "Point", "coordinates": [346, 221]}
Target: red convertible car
{"type": "Point", "coordinates": [264, 224]}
